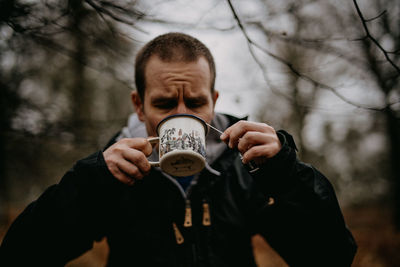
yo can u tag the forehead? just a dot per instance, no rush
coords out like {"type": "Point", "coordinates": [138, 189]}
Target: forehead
{"type": "Point", "coordinates": [166, 75]}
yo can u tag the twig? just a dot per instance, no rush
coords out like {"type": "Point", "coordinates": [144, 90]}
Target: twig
{"type": "Point", "coordinates": [101, 9]}
{"type": "Point", "coordinates": [369, 36]}
{"type": "Point", "coordinates": [378, 16]}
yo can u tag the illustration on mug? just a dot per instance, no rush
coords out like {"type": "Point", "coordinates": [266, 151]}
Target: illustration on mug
{"type": "Point", "coordinates": [170, 141]}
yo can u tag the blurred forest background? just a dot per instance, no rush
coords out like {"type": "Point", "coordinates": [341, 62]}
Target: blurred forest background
{"type": "Point", "coordinates": [327, 71]}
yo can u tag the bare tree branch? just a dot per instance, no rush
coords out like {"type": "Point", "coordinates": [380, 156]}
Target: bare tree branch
{"type": "Point", "coordinates": [369, 36]}
{"type": "Point", "coordinates": [378, 16]}
{"type": "Point", "coordinates": [319, 45]}
{"type": "Point", "coordinates": [102, 10]}
{"type": "Point", "coordinates": [251, 43]}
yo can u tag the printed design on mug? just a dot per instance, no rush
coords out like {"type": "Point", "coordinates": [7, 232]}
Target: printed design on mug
{"type": "Point", "coordinates": [170, 140]}
{"type": "Point", "coordinates": [182, 163]}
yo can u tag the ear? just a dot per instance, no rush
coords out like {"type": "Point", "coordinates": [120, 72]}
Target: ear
{"type": "Point", "coordinates": [215, 97]}
{"type": "Point", "coordinates": [138, 105]}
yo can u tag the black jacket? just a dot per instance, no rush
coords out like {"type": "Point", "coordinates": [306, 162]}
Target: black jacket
{"type": "Point", "coordinates": [289, 203]}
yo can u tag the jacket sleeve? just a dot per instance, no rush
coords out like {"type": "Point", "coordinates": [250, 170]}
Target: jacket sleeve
{"type": "Point", "coordinates": [65, 220]}
{"type": "Point", "coordinates": [299, 215]}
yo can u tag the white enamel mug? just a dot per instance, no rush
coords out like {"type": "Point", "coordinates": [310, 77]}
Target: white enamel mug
{"type": "Point", "coordinates": [182, 146]}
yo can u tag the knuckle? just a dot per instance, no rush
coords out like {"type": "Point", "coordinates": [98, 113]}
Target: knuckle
{"type": "Point", "coordinates": [269, 128]}
{"type": "Point", "coordinates": [118, 150]}
{"type": "Point", "coordinates": [134, 155]}
{"type": "Point", "coordinates": [138, 157]}
{"type": "Point", "coordinates": [251, 135]}
{"type": "Point", "coordinates": [277, 148]}
{"type": "Point", "coordinates": [113, 171]}
{"type": "Point", "coordinates": [242, 145]}
{"type": "Point", "coordinates": [141, 142]}
{"type": "Point", "coordinates": [241, 149]}
{"type": "Point", "coordinates": [115, 148]}
{"type": "Point", "coordinates": [255, 151]}
{"type": "Point", "coordinates": [242, 123]}
{"type": "Point", "coordinates": [110, 160]}
{"type": "Point", "coordinates": [146, 166]}
{"type": "Point", "coordinates": [123, 141]}
{"type": "Point", "coordinates": [135, 173]}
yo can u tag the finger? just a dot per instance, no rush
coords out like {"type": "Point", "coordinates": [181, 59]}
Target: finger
{"type": "Point", "coordinates": [130, 170]}
{"type": "Point", "coordinates": [227, 136]}
{"type": "Point", "coordinates": [227, 133]}
{"type": "Point", "coordinates": [251, 139]}
{"type": "Point", "coordinates": [122, 177]}
{"type": "Point", "coordinates": [236, 131]}
{"type": "Point", "coordinates": [137, 158]}
{"type": "Point", "coordinates": [140, 143]}
{"type": "Point", "coordinates": [261, 151]}
{"type": "Point", "coordinates": [147, 149]}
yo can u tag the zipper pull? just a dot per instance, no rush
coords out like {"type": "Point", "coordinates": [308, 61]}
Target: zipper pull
{"type": "Point", "coordinates": [188, 214]}
{"type": "Point", "coordinates": [178, 236]}
{"type": "Point", "coordinates": [206, 214]}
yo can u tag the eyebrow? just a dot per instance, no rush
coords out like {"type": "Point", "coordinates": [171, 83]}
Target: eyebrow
{"type": "Point", "coordinates": [199, 99]}
{"type": "Point", "coordinates": [162, 99]}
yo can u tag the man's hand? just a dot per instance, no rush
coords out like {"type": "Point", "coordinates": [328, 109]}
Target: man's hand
{"type": "Point", "coordinates": [256, 141]}
{"type": "Point", "coordinates": [127, 159]}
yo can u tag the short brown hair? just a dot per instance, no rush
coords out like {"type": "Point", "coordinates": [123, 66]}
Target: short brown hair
{"type": "Point", "coordinates": [171, 47]}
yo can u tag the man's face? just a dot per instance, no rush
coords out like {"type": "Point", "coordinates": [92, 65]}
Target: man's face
{"type": "Point", "coordinates": [175, 88]}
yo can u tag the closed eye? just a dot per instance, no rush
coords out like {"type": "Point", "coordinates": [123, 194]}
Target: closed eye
{"type": "Point", "coordinates": [164, 103]}
{"type": "Point", "coordinates": [196, 102]}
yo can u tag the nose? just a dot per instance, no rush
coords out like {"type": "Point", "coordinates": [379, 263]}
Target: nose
{"type": "Point", "coordinates": [181, 108]}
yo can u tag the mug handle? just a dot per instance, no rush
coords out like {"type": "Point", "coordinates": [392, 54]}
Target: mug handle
{"type": "Point", "coordinates": [154, 140]}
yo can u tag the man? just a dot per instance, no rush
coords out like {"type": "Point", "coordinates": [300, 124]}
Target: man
{"type": "Point", "coordinates": [153, 219]}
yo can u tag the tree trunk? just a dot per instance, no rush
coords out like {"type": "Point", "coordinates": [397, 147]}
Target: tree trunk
{"type": "Point", "coordinates": [393, 125]}
{"type": "Point", "coordinates": [3, 182]}
{"type": "Point", "coordinates": [80, 97]}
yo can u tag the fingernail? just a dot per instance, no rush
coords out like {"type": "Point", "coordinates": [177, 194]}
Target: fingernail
{"type": "Point", "coordinates": [223, 136]}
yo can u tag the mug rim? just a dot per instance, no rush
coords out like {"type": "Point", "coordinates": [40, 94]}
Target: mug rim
{"type": "Point", "coordinates": [183, 115]}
